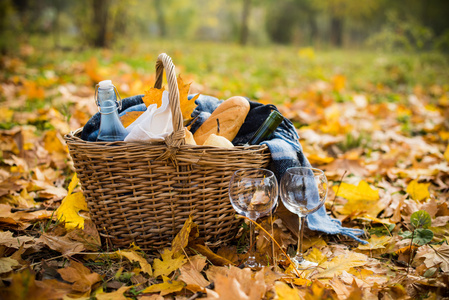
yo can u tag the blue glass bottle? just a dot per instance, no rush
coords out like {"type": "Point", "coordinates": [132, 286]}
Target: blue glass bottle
{"type": "Point", "coordinates": [111, 128]}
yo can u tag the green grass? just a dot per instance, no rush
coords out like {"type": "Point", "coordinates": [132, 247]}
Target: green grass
{"type": "Point", "coordinates": [274, 73]}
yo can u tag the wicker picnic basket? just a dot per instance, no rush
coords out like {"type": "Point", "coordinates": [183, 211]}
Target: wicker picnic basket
{"type": "Point", "coordinates": [144, 192]}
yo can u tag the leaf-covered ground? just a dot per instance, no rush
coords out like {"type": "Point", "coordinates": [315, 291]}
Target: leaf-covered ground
{"type": "Point", "coordinates": [378, 124]}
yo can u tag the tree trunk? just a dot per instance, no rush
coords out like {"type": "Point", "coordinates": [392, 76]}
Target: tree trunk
{"type": "Point", "coordinates": [100, 22]}
{"type": "Point", "coordinates": [336, 31]}
{"type": "Point", "coordinates": [313, 29]}
{"type": "Point", "coordinates": [160, 18]}
{"type": "Point", "coordinates": [244, 33]}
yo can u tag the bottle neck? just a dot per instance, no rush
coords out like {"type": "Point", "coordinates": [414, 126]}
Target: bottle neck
{"type": "Point", "coordinates": [107, 101]}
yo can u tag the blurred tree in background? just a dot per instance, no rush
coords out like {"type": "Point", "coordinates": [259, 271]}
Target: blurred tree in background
{"type": "Point", "coordinates": [411, 25]}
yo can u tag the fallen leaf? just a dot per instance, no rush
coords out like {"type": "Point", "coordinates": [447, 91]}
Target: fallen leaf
{"type": "Point", "coordinates": [182, 238]}
{"type": "Point", "coordinates": [133, 256]}
{"type": "Point", "coordinates": [117, 295]}
{"type": "Point", "coordinates": [284, 292]}
{"type": "Point", "coordinates": [362, 199]}
{"type": "Point", "coordinates": [214, 258]}
{"type": "Point", "coordinates": [446, 153]}
{"type": "Point", "coordinates": [418, 191]}
{"type": "Point", "coordinates": [342, 263]}
{"type": "Point", "coordinates": [6, 239]}
{"type": "Point", "coordinates": [190, 274]}
{"type": "Point", "coordinates": [71, 205]}
{"type": "Point", "coordinates": [165, 288]}
{"type": "Point", "coordinates": [376, 242]}
{"type": "Point", "coordinates": [24, 286]}
{"type": "Point", "coordinates": [168, 264]}
{"type": "Point", "coordinates": [315, 255]}
{"type": "Point", "coordinates": [81, 277]}
{"type": "Point", "coordinates": [440, 256]}
{"type": "Point", "coordinates": [62, 244]}
{"type": "Point", "coordinates": [7, 264]}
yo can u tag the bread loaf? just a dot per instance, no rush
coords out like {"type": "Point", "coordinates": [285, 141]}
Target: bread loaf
{"type": "Point", "coordinates": [189, 137]}
{"type": "Point", "coordinates": [230, 114]}
{"type": "Point", "coordinates": [217, 141]}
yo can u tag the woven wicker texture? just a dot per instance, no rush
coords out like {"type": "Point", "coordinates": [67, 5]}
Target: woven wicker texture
{"type": "Point", "coordinates": [144, 192]}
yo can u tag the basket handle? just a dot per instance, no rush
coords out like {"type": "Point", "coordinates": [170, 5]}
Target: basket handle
{"type": "Point", "coordinates": [177, 137]}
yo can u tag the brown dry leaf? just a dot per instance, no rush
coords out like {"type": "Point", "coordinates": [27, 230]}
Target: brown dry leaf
{"type": "Point", "coordinates": [211, 256]}
{"type": "Point", "coordinates": [134, 256]}
{"type": "Point", "coordinates": [337, 168]}
{"type": "Point", "coordinates": [189, 231]}
{"type": "Point", "coordinates": [341, 263]}
{"type": "Point", "coordinates": [165, 288]}
{"type": "Point", "coordinates": [234, 281]}
{"type": "Point", "coordinates": [153, 96]}
{"type": "Point", "coordinates": [62, 244]}
{"type": "Point", "coordinates": [81, 277]}
{"type": "Point", "coordinates": [439, 256]}
{"type": "Point", "coordinates": [24, 287]}
{"type": "Point", "coordinates": [88, 236]}
{"type": "Point", "coordinates": [6, 239]}
{"type": "Point", "coordinates": [168, 264]}
{"type": "Point", "coordinates": [7, 264]}
{"type": "Point", "coordinates": [190, 274]}
{"type": "Point", "coordinates": [344, 291]}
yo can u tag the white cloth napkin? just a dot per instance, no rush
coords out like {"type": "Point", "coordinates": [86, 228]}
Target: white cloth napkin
{"type": "Point", "coordinates": [155, 124]}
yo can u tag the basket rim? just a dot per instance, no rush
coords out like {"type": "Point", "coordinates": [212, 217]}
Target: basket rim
{"type": "Point", "coordinates": [74, 137]}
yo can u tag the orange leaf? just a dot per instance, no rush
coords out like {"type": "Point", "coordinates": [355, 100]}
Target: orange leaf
{"type": "Point", "coordinates": [153, 96]}
{"type": "Point", "coordinates": [130, 117]}
{"type": "Point", "coordinates": [187, 106]}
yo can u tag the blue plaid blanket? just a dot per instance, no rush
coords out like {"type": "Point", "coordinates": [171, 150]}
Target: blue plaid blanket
{"type": "Point", "coordinates": [286, 152]}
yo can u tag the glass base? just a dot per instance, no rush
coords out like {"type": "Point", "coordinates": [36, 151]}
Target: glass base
{"type": "Point", "coordinates": [304, 264]}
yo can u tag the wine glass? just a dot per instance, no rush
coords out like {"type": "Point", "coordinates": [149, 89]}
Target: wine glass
{"type": "Point", "coordinates": [303, 191]}
{"type": "Point", "coordinates": [253, 193]}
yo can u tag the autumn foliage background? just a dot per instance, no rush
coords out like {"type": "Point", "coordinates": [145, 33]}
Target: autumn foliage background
{"type": "Point", "coordinates": [377, 122]}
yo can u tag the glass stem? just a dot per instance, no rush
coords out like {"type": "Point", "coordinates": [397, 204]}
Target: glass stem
{"type": "Point", "coordinates": [251, 253]}
{"type": "Point", "coordinates": [299, 258]}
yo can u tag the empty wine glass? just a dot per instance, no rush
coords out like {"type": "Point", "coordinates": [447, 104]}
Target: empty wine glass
{"type": "Point", "coordinates": [303, 191]}
{"type": "Point", "coordinates": [253, 193]}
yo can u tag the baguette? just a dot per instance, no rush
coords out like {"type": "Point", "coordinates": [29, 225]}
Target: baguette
{"type": "Point", "coordinates": [230, 114]}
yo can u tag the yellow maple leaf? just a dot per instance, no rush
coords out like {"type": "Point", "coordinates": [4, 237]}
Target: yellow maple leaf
{"type": "Point", "coordinates": [116, 295]}
{"type": "Point", "coordinates": [187, 106]}
{"type": "Point", "coordinates": [167, 287]}
{"type": "Point", "coordinates": [130, 117]}
{"type": "Point", "coordinates": [153, 96]}
{"type": "Point", "coordinates": [168, 264]}
{"type": "Point", "coordinates": [53, 142]}
{"type": "Point", "coordinates": [376, 242]}
{"type": "Point", "coordinates": [71, 205]}
{"type": "Point", "coordinates": [343, 262]}
{"type": "Point", "coordinates": [362, 199]}
{"type": "Point", "coordinates": [446, 153]}
{"type": "Point", "coordinates": [182, 238]}
{"type": "Point", "coordinates": [134, 256]}
{"type": "Point", "coordinates": [284, 292]}
{"type": "Point", "coordinates": [315, 255]}
{"type": "Point", "coordinates": [418, 191]}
